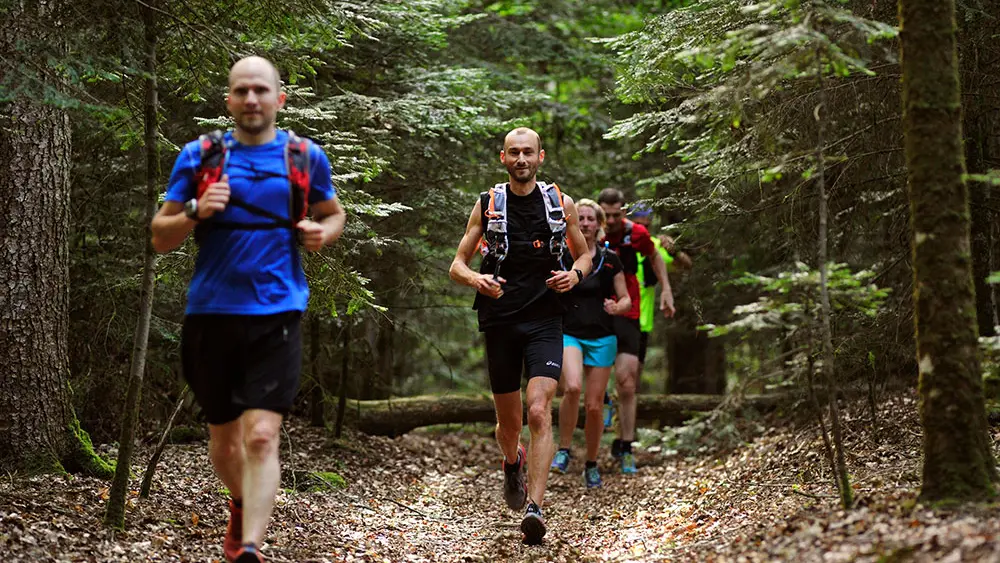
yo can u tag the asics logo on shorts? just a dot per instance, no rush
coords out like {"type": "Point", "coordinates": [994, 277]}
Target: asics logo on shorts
{"type": "Point", "coordinates": [550, 363]}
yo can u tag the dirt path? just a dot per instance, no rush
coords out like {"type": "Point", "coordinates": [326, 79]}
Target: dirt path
{"type": "Point", "coordinates": [435, 496]}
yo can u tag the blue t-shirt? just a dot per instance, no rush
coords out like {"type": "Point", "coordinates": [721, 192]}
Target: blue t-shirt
{"type": "Point", "coordinates": [250, 272]}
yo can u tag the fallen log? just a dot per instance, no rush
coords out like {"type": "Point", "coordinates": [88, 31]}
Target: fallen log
{"type": "Point", "coordinates": [393, 417]}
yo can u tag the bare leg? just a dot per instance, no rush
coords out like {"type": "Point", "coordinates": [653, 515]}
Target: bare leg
{"type": "Point", "coordinates": [509, 417]}
{"type": "Point", "coordinates": [597, 382]}
{"type": "Point", "coordinates": [261, 473]}
{"type": "Point", "coordinates": [626, 375]}
{"type": "Point", "coordinates": [541, 390]}
{"type": "Point", "coordinates": [225, 449]}
{"type": "Point", "coordinates": [569, 408]}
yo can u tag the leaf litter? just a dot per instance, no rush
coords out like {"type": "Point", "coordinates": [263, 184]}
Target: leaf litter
{"type": "Point", "coordinates": [435, 496]}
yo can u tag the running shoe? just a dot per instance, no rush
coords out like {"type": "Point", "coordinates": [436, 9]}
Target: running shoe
{"type": "Point", "coordinates": [515, 483]}
{"type": "Point", "coordinates": [592, 477]}
{"type": "Point", "coordinates": [248, 554]}
{"type": "Point", "coordinates": [561, 461]}
{"type": "Point", "coordinates": [233, 542]}
{"type": "Point", "coordinates": [533, 525]}
{"type": "Point", "coordinates": [609, 411]}
{"type": "Point", "coordinates": [628, 463]}
{"type": "Point", "coordinates": [617, 449]}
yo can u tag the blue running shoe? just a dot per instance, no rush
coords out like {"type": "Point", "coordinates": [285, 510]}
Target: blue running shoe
{"type": "Point", "coordinates": [628, 463]}
{"type": "Point", "coordinates": [561, 461]}
{"type": "Point", "coordinates": [609, 411]}
{"type": "Point", "coordinates": [592, 477]}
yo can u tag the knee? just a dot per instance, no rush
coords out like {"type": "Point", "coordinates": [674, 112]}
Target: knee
{"type": "Point", "coordinates": [539, 416]}
{"type": "Point", "coordinates": [261, 440]}
{"type": "Point", "coordinates": [572, 390]}
{"type": "Point", "coordinates": [595, 409]}
{"type": "Point", "coordinates": [626, 385]}
{"type": "Point", "coordinates": [221, 449]}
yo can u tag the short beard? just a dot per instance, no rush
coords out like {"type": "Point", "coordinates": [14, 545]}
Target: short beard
{"type": "Point", "coordinates": [255, 129]}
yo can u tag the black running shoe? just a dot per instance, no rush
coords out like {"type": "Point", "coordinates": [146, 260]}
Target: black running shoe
{"type": "Point", "coordinates": [533, 525]}
{"type": "Point", "coordinates": [515, 482]}
{"type": "Point", "coordinates": [617, 449]}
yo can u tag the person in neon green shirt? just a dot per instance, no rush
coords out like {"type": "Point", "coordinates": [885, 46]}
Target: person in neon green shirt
{"type": "Point", "coordinates": [647, 281]}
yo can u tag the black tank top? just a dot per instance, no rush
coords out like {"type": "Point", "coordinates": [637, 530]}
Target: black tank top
{"type": "Point", "coordinates": [528, 264]}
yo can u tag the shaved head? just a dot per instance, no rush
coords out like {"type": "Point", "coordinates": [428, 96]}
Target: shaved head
{"type": "Point", "coordinates": [522, 131]}
{"type": "Point", "coordinates": [255, 65]}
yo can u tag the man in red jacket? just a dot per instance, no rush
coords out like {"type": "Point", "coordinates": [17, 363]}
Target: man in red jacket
{"type": "Point", "coordinates": [629, 240]}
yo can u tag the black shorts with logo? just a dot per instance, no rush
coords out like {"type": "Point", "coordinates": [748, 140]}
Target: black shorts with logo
{"type": "Point", "coordinates": [535, 347]}
{"type": "Point", "coordinates": [628, 333]}
{"type": "Point", "coordinates": [234, 363]}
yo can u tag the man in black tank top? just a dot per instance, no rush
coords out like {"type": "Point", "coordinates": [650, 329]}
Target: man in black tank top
{"type": "Point", "coordinates": [520, 313]}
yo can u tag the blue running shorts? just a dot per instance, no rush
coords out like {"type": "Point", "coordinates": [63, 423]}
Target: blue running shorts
{"type": "Point", "coordinates": [597, 352]}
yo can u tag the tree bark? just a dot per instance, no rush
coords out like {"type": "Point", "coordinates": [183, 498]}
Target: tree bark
{"type": "Point", "coordinates": [394, 417]}
{"type": "Point", "coordinates": [317, 415]}
{"type": "Point", "coordinates": [840, 468]}
{"type": "Point", "coordinates": [697, 363]}
{"type": "Point", "coordinates": [40, 431]}
{"type": "Point", "coordinates": [115, 514]}
{"type": "Point", "coordinates": [958, 462]}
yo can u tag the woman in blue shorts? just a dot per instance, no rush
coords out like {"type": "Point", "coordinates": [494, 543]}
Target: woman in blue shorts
{"type": "Point", "coordinates": [589, 344]}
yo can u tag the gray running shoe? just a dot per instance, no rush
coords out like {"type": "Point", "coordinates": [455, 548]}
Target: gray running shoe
{"type": "Point", "coordinates": [515, 482]}
{"type": "Point", "coordinates": [533, 525]}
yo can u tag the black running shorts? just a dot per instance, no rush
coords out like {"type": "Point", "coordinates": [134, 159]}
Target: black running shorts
{"type": "Point", "coordinates": [627, 331]}
{"type": "Point", "coordinates": [234, 363]}
{"type": "Point", "coordinates": [534, 347]}
{"type": "Point", "coordinates": [643, 344]}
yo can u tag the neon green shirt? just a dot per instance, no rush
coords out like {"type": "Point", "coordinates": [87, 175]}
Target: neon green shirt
{"type": "Point", "coordinates": [647, 295]}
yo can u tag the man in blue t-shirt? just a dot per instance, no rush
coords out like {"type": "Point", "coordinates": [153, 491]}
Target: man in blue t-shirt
{"type": "Point", "coordinates": [241, 342]}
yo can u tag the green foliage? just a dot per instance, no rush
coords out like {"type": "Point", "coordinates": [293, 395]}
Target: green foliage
{"type": "Point", "coordinates": [791, 300]}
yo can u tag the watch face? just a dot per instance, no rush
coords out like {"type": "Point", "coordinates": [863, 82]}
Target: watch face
{"type": "Point", "coordinates": [191, 208]}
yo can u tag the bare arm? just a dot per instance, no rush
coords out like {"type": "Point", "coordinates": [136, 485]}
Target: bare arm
{"type": "Point", "coordinates": [327, 225]}
{"type": "Point", "coordinates": [170, 226]}
{"type": "Point", "coordinates": [666, 294]}
{"type": "Point", "coordinates": [624, 303]}
{"type": "Point", "coordinates": [460, 271]}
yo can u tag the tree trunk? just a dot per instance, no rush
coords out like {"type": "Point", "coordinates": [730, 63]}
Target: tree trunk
{"type": "Point", "coordinates": [958, 462]}
{"type": "Point", "coordinates": [115, 515]}
{"type": "Point", "coordinates": [317, 416]}
{"type": "Point", "coordinates": [696, 362]}
{"type": "Point", "coordinates": [342, 385]}
{"type": "Point", "coordinates": [393, 417]}
{"type": "Point", "coordinates": [977, 126]}
{"type": "Point", "coordinates": [40, 431]}
{"type": "Point", "coordinates": [840, 468]}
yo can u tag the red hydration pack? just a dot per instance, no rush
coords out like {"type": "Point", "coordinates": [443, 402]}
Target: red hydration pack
{"type": "Point", "coordinates": [214, 155]}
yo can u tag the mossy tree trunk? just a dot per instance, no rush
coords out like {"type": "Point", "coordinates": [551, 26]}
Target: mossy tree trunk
{"type": "Point", "coordinates": [115, 514]}
{"type": "Point", "coordinates": [958, 463]}
{"type": "Point", "coordinates": [39, 431]}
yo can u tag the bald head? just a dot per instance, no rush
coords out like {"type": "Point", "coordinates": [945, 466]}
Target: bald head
{"type": "Point", "coordinates": [258, 66]}
{"type": "Point", "coordinates": [521, 132]}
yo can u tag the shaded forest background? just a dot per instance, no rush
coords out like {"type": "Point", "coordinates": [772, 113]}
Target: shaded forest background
{"type": "Point", "coordinates": [707, 111]}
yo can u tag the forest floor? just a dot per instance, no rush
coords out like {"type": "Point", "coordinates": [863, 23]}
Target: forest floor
{"type": "Point", "coordinates": [434, 495]}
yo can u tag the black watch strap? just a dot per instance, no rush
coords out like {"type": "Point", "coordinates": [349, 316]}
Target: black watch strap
{"type": "Point", "coordinates": [579, 275]}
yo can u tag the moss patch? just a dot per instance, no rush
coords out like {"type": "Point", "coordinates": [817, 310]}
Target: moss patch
{"type": "Point", "coordinates": [82, 458]}
{"type": "Point", "coordinates": [318, 481]}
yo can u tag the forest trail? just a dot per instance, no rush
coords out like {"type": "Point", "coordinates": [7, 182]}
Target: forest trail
{"type": "Point", "coordinates": [435, 496]}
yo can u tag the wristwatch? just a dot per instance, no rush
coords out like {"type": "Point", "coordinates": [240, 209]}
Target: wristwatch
{"type": "Point", "coordinates": [579, 275]}
{"type": "Point", "coordinates": [191, 209]}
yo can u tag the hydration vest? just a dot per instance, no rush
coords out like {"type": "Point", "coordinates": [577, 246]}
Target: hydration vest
{"type": "Point", "coordinates": [214, 151]}
{"type": "Point", "coordinates": [495, 244]}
